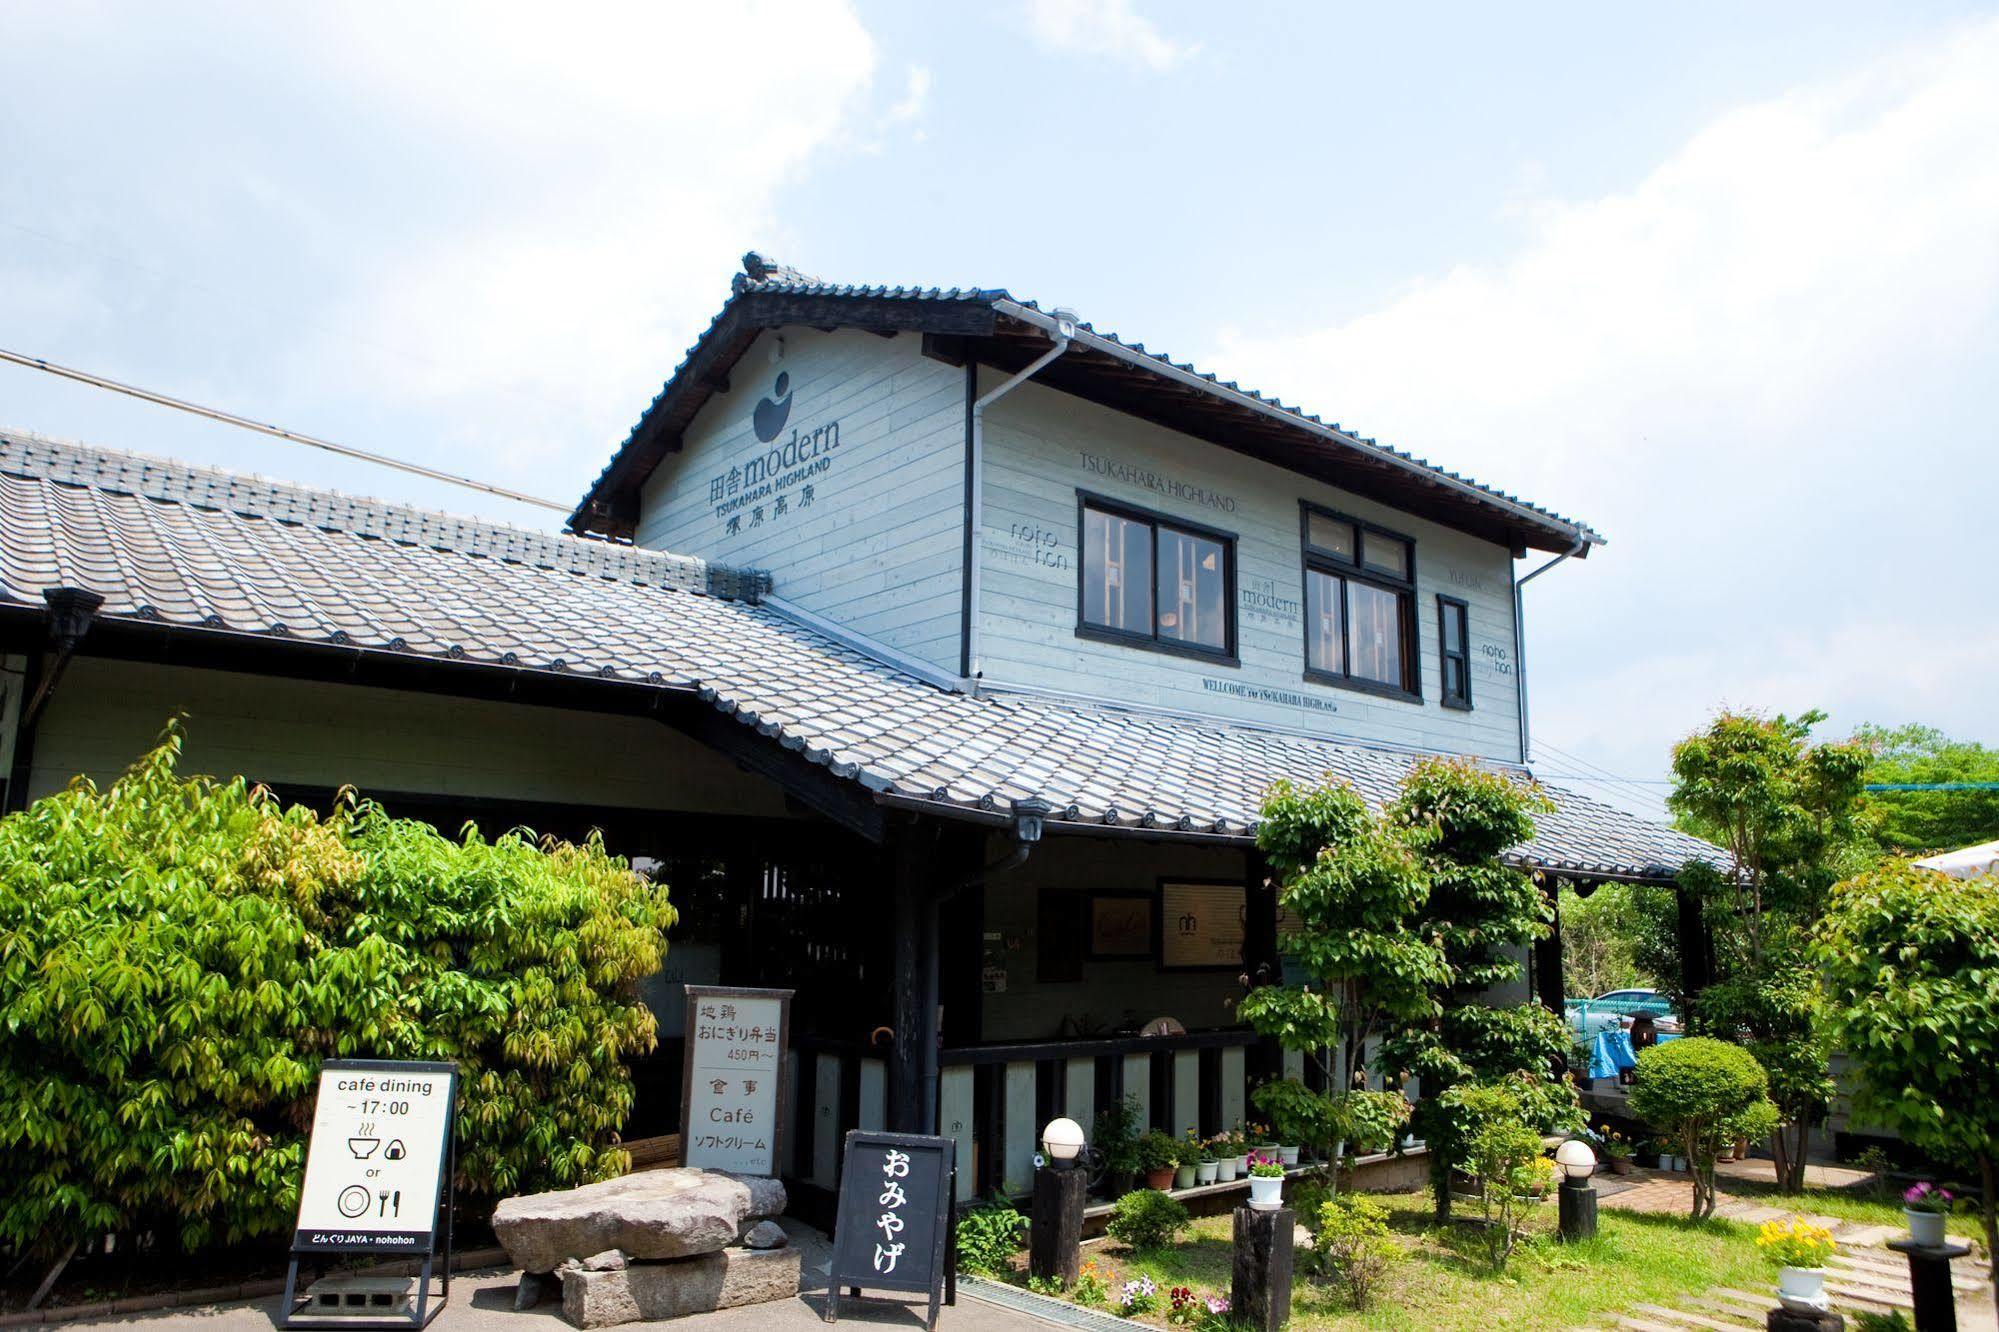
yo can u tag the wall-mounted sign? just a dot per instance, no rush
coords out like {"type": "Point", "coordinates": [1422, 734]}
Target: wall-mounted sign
{"type": "Point", "coordinates": [895, 1218]}
{"type": "Point", "coordinates": [1202, 925]}
{"type": "Point", "coordinates": [780, 476]}
{"type": "Point", "coordinates": [374, 1167]}
{"type": "Point", "coordinates": [733, 1094]}
{"type": "Point", "coordinates": [1133, 474]}
{"type": "Point", "coordinates": [1120, 926]}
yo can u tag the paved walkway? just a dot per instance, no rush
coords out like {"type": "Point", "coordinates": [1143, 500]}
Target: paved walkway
{"type": "Point", "coordinates": [1864, 1276]}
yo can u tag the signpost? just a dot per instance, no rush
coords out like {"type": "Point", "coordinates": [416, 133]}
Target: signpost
{"type": "Point", "coordinates": [734, 1092]}
{"type": "Point", "coordinates": [377, 1173]}
{"type": "Point", "coordinates": [896, 1219]}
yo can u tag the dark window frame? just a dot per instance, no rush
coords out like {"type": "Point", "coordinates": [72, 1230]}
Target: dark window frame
{"type": "Point", "coordinates": [1445, 651]}
{"type": "Point", "coordinates": [1154, 642]}
{"type": "Point", "coordinates": [1313, 559]}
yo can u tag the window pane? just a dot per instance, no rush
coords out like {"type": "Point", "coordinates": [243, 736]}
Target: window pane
{"type": "Point", "coordinates": [1454, 677]}
{"type": "Point", "coordinates": [1386, 554]}
{"type": "Point", "coordinates": [1193, 580]}
{"type": "Point", "coordinates": [1454, 627]}
{"type": "Point", "coordinates": [1374, 634]}
{"type": "Point", "coordinates": [1117, 572]}
{"type": "Point", "coordinates": [1330, 535]}
{"type": "Point", "coordinates": [1324, 642]}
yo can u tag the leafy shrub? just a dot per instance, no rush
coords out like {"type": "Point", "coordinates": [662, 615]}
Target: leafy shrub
{"type": "Point", "coordinates": [989, 1236]}
{"type": "Point", "coordinates": [1702, 1094]}
{"type": "Point", "coordinates": [1147, 1219]}
{"type": "Point", "coordinates": [1892, 1321]}
{"type": "Point", "coordinates": [178, 955]}
{"type": "Point", "coordinates": [1352, 1247]}
{"type": "Point", "coordinates": [1502, 1148]}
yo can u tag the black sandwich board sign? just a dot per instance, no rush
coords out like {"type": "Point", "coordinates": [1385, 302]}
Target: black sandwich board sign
{"type": "Point", "coordinates": [895, 1223]}
{"type": "Point", "coordinates": [378, 1173]}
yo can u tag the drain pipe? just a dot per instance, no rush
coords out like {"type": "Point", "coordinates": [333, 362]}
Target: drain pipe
{"type": "Point", "coordinates": [1064, 330]}
{"type": "Point", "coordinates": [1025, 832]}
{"type": "Point", "coordinates": [1520, 638]}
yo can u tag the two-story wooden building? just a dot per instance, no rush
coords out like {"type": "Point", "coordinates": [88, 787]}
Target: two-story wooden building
{"type": "Point", "coordinates": [938, 646]}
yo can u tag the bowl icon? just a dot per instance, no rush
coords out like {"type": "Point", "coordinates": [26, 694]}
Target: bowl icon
{"type": "Point", "coordinates": [363, 1148]}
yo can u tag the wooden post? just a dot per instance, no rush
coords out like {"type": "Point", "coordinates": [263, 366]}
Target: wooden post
{"type": "Point", "coordinates": [1933, 1299]}
{"type": "Point", "coordinates": [1790, 1320]}
{"type": "Point", "coordinates": [1549, 983]}
{"type": "Point", "coordinates": [1055, 1225]}
{"type": "Point", "coordinates": [1260, 1286]}
{"type": "Point", "coordinates": [908, 864]}
{"type": "Point", "coordinates": [1261, 964]}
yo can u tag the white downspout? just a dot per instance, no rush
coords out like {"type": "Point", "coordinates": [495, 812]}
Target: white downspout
{"type": "Point", "coordinates": [1064, 330]}
{"type": "Point", "coordinates": [1520, 638]}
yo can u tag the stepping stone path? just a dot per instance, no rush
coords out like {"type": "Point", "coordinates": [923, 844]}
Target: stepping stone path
{"type": "Point", "coordinates": [1863, 1275]}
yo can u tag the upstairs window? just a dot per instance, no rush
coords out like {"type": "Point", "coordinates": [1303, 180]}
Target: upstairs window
{"type": "Point", "coordinates": [1360, 589]}
{"type": "Point", "coordinates": [1155, 582]}
{"type": "Point", "coordinates": [1454, 651]}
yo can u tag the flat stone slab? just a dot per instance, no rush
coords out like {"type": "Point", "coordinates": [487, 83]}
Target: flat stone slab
{"type": "Point", "coordinates": [654, 1214]}
{"type": "Point", "coordinates": [641, 1292]}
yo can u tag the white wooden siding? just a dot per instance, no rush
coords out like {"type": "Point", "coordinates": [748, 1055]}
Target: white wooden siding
{"type": "Point", "coordinates": [881, 547]}
{"type": "Point", "coordinates": [106, 713]}
{"type": "Point", "coordinates": [1036, 440]}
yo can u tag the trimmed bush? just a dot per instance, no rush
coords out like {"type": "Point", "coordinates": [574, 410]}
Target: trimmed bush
{"type": "Point", "coordinates": [178, 955]}
{"type": "Point", "coordinates": [1702, 1094]}
{"type": "Point", "coordinates": [1147, 1219]}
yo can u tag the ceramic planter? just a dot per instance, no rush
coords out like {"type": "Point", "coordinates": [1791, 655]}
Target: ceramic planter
{"type": "Point", "coordinates": [1266, 1194]}
{"type": "Point", "coordinates": [1288, 1155]}
{"type": "Point", "coordinates": [1925, 1228]}
{"type": "Point", "coordinates": [1225, 1169]}
{"type": "Point", "coordinates": [1206, 1172]}
{"type": "Point", "coordinates": [1183, 1178]}
{"type": "Point", "coordinates": [1161, 1179]}
{"type": "Point", "coordinates": [1801, 1287]}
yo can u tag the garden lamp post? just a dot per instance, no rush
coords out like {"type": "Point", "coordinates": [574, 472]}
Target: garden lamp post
{"type": "Point", "coordinates": [1577, 1200]}
{"type": "Point", "coordinates": [1055, 1219]}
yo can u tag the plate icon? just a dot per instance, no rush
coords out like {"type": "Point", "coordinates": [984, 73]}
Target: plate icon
{"type": "Point", "coordinates": [353, 1201]}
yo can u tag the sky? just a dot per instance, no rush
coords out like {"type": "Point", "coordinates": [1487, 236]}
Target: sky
{"type": "Point", "coordinates": [1720, 280]}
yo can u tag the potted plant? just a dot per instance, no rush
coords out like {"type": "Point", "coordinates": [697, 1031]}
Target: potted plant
{"type": "Point", "coordinates": [1210, 1167]}
{"type": "Point", "coordinates": [1158, 1155]}
{"type": "Point", "coordinates": [1646, 1154]}
{"type": "Point", "coordinates": [1188, 1153]}
{"type": "Point", "coordinates": [1800, 1250]}
{"type": "Point", "coordinates": [1616, 1150]}
{"type": "Point", "coordinates": [1228, 1157]}
{"type": "Point", "coordinates": [1926, 1206]}
{"type": "Point", "coordinates": [1115, 1137]}
{"type": "Point", "coordinates": [1266, 1182]}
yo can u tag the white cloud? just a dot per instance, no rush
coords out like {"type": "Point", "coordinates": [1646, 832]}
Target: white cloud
{"type": "Point", "coordinates": [915, 97]}
{"type": "Point", "coordinates": [1764, 371]}
{"type": "Point", "coordinates": [1104, 27]}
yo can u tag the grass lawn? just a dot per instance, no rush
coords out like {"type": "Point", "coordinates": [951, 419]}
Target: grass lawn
{"type": "Point", "coordinates": [1443, 1284]}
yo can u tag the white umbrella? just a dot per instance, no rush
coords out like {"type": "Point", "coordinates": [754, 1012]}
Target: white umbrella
{"type": "Point", "coordinates": [1968, 863]}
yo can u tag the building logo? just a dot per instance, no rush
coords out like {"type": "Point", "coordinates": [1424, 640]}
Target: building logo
{"type": "Point", "coordinates": [771, 413]}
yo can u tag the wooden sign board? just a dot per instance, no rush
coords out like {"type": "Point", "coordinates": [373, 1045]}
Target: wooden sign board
{"type": "Point", "coordinates": [734, 1091]}
{"type": "Point", "coordinates": [1202, 925]}
{"type": "Point", "coordinates": [893, 1227]}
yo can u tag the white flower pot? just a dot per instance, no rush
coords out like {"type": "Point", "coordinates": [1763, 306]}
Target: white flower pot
{"type": "Point", "coordinates": [1266, 1194]}
{"type": "Point", "coordinates": [1288, 1155]}
{"type": "Point", "coordinates": [1801, 1287]}
{"type": "Point", "coordinates": [1925, 1228]}
{"type": "Point", "coordinates": [1205, 1172]}
{"type": "Point", "coordinates": [1242, 1164]}
{"type": "Point", "coordinates": [1183, 1178]}
{"type": "Point", "coordinates": [1225, 1170]}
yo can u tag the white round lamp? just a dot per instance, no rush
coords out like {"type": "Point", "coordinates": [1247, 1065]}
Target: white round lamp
{"type": "Point", "coordinates": [1575, 1158]}
{"type": "Point", "coordinates": [1062, 1142]}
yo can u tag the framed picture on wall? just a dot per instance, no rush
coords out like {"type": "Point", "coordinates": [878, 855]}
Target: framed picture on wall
{"type": "Point", "coordinates": [1120, 926]}
{"type": "Point", "coordinates": [1202, 924]}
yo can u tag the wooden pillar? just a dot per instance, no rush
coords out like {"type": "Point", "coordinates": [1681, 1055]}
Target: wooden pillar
{"type": "Point", "coordinates": [1549, 984]}
{"type": "Point", "coordinates": [1260, 1284]}
{"type": "Point", "coordinates": [1055, 1225]}
{"type": "Point", "coordinates": [908, 865]}
{"type": "Point", "coordinates": [1261, 963]}
{"type": "Point", "coordinates": [1696, 950]}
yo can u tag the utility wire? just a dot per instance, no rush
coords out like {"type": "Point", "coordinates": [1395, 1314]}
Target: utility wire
{"type": "Point", "coordinates": [312, 441]}
{"type": "Point", "coordinates": [1632, 786]}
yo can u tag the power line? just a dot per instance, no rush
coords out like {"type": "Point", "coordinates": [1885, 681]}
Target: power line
{"type": "Point", "coordinates": [1631, 786]}
{"type": "Point", "coordinates": [278, 432]}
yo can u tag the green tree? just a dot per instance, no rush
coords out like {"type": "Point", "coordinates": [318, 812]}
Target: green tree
{"type": "Point", "coordinates": [1920, 822]}
{"type": "Point", "coordinates": [1703, 1094]}
{"type": "Point", "coordinates": [1911, 964]}
{"type": "Point", "coordinates": [177, 955]}
{"type": "Point", "coordinates": [1787, 813]}
{"type": "Point", "coordinates": [1601, 936]}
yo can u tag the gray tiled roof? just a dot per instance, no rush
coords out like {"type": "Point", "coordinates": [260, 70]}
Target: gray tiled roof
{"type": "Point", "coordinates": [201, 549]}
{"type": "Point", "coordinates": [767, 276]}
